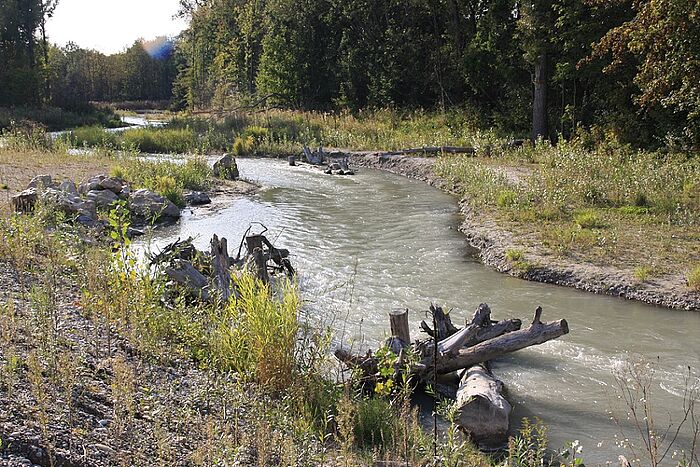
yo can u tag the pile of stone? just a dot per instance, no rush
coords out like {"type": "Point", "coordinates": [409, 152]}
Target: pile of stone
{"type": "Point", "coordinates": [99, 193]}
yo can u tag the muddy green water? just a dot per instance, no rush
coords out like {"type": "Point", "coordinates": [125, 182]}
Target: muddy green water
{"type": "Point", "coordinates": [369, 243]}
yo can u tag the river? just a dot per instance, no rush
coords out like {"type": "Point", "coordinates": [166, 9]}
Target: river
{"type": "Point", "coordinates": [366, 244]}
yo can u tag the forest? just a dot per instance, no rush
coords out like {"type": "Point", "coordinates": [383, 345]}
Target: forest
{"type": "Point", "coordinates": [550, 68]}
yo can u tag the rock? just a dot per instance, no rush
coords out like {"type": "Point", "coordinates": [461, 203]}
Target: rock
{"type": "Point", "coordinates": [68, 186]}
{"type": "Point", "coordinates": [93, 183]}
{"type": "Point", "coordinates": [70, 204]}
{"type": "Point", "coordinates": [197, 198]}
{"type": "Point", "coordinates": [104, 422]}
{"type": "Point", "coordinates": [151, 206]}
{"type": "Point", "coordinates": [102, 198]}
{"type": "Point", "coordinates": [41, 181]}
{"type": "Point", "coordinates": [226, 167]}
{"type": "Point", "coordinates": [24, 201]}
{"type": "Point", "coordinates": [105, 449]}
{"type": "Point", "coordinates": [113, 184]}
{"type": "Point", "coordinates": [126, 191]}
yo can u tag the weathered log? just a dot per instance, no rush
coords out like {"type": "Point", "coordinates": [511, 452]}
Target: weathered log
{"type": "Point", "coordinates": [494, 330]}
{"type": "Point", "coordinates": [254, 243]}
{"type": "Point", "coordinates": [220, 267]}
{"type": "Point", "coordinates": [536, 333]}
{"type": "Point", "coordinates": [443, 322]}
{"type": "Point", "coordinates": [398, 320]}
{"type": "Point", "coordinates": [483, 411]}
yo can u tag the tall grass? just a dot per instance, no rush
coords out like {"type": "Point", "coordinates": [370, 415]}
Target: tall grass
{"type": "Point", "coordinates": [165, 177]}
{"type": "Point", "coordinates": [568, 176]}
{"type": "Point", "coordinates": [161, 140]}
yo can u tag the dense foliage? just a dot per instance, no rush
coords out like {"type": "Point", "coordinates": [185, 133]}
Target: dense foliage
{"type": "Point", "coordinates": [626, 67]}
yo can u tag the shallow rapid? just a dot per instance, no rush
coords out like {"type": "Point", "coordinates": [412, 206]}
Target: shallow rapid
{"type": "Point", "coordinates": [366, 244]}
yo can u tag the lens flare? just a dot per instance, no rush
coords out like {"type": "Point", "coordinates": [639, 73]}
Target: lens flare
{"type": "Point", "coordinates": [159, 48]}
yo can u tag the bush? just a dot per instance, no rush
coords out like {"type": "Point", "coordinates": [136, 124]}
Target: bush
{"type": "Point", "coordinates": [507, 199]}
{"type": "Point", "coordinates": [161, 140]}
{"type": "Point", "coordinates": [90, 136]}
{"type": "Point", "coordinates": [642, 273]}
{"type": "Point", "coordinates": [168, 187]}
{"type": "Point", "coordinates": [588, 219]}
{"type": "Point", "coordinates": [374, 423]}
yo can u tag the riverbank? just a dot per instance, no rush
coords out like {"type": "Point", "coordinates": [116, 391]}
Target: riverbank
{"type": "Point", "coordinates": [498, 243]}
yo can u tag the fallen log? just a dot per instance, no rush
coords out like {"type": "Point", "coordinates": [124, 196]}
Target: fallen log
{"type": "Point", "coordinates": [536, 333]}
{"type": "Point", "coordinates": [483, 411]}
{"type": "Point", "coordinates": [443, 323]}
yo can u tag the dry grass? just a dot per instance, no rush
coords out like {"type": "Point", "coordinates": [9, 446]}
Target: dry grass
{"type": "Point", "coordinates": [18, 167]}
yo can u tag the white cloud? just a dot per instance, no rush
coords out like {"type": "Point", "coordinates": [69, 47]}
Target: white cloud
{"type": "Point", "coordinates": [112, 25]}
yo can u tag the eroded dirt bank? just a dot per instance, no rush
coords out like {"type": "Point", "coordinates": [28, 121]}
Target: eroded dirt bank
{"type": "Point", "coordinates": [492, 242]}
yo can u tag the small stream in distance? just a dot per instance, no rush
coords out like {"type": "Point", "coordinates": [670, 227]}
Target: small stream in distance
{"type": "Point", "coordinates": [366, 244]}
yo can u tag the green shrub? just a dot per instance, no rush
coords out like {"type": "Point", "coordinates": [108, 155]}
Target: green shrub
{"type": "Point", "coordinates": [642, 273]}
{"type": "Point", "coordinates": [90, 136]}
{"type": "Point", "coordinates": [375, 423]}
{"type": "Point", "coordinates": [693, 278]}
{"type": "Point", "coordinates": [161, 140]}
{"type": "Point", "coordinates": [513, 255]}
{"type": "Point", "coordinates": [193, 174]}
{"type": "Point", "coordinates": [507, 199]}
{"type": "Point", "coordinates": [588, 219]}
{"type": "Point", "coordinates": [168, 187]}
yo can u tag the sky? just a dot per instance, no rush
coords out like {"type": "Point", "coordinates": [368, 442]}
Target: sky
{"type": "Point", "coordinates": [110, 26]}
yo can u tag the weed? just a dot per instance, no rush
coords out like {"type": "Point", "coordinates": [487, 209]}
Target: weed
{"type": "Point", "coordinates": [514, 254]}
{"type": "Point", "coordinates": [588, 219]}
{"type": "Point", "coordinates": [507, 199]}
{"type": "Point", "coordinates": [642, 273]}
{"type": "Point", "coordinates": [529, 447]}
{"type": "Point", "coordinates": [693, 278]}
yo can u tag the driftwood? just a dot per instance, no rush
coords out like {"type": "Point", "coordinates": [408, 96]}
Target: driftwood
{"type": "Point", "coordinates": [483, 411]}
{"type": "Point", "coordinates": [220, 268]}
{"type": "Point", "coordinates": [536, 333]}
{"type": "Point", "coordinates": [184, 273]}
{"type": "Point", "coordinates": [254, 244]}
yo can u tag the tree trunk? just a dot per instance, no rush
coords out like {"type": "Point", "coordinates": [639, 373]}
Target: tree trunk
{"type": "Point", "coordinates": [483, 411]}
{"type": "Point", "coordinates": [540, 126]}
{"type": "Point", "coordinates": [220, 267]}
{"type": "Point", "coordinates": [398, 320]}
{"type": "Point", "coordinates": [254, 243]}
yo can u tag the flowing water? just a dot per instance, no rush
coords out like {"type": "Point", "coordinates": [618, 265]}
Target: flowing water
{"type": "Point", "coordinates": [366, 244]}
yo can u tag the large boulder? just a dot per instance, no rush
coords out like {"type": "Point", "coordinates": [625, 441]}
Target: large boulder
{"type": "Point", "coordinates": [70, 204]}
{"type": "Point", "coordinates": [226, 167]}
{"type": "Point", "coordinates": [150, 206]}
{"type": "Point", "coordinates": [102, 198]}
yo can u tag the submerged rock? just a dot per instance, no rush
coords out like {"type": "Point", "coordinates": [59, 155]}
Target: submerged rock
{"type": "Point", "coordinates": [227, 168]}
{"type": "Point", "coordinates": [150, 206]}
